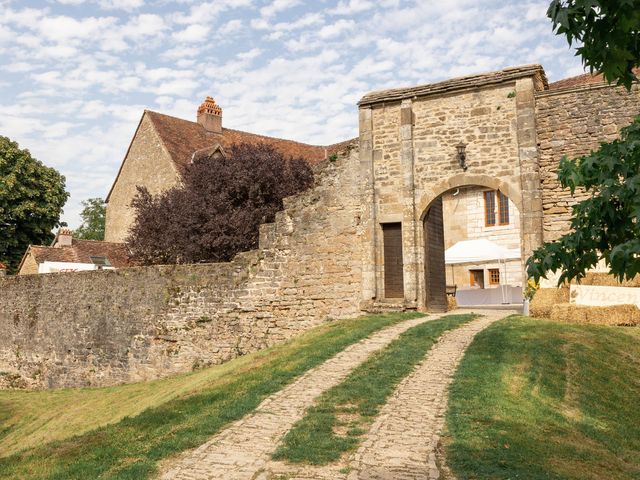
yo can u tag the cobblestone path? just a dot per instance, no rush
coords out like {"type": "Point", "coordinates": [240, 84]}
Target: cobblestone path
{"type": "Point", "coordinates": [243, 449]}
{"type": "Point", "coordinates": [402, 440]}
{"type": "Point", "coordinates": [400, 444]}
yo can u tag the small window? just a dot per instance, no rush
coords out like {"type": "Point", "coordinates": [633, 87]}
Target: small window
{"type": "Point", "coordinates": [494, 276]}
{"type": "Point", "coordinates": [503, 209]}
{"type": "Point", "coordinates": [490, 208]}
{"type": "Point", "coordinates": [100, 261]}
{"type": "Point", "coordinates": [492, 215]}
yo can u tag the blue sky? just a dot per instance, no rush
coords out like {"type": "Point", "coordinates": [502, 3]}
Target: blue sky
{"type": "Point", "coordinates": [77, 74]}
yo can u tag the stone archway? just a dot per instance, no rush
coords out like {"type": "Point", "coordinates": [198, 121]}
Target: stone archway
{"type": "Point", "coordinates": [430, 206]}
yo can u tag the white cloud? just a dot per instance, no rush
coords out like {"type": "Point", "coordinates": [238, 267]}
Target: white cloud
{"type": "Point", "coordinates": [127, 5]}
{"type": "Point", "coordinates": [286, 68]}
{"type": "Point", "coordinates": [336, 29]}
{"type": "Point", "coordinates": [193, 33]}
{"type": "Point", "coordinates": [20, 67]}
{"type": "Point", "coordinates": [231, 27]}
{"type": "Point", "coordinates": [351, 7]}
{"type": "Point", "coordinates": [277, 6]}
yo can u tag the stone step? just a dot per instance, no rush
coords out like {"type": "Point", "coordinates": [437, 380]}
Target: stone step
{"type": "Point", "coordinates": [388, 307]}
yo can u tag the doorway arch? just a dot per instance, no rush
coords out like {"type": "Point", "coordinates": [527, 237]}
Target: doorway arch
{"type": "Point", "coordinates": [430, 206]}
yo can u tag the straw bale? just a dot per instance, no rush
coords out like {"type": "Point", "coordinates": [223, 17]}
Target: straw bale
{"type": "Point", "coordinates": [452, 304]}
{"type": "Point", "coordinates": [609, 315]}
{"type": "Point", "coordinates": [606, 280]}
{"type": "Point", "coordinates": [545, 298]}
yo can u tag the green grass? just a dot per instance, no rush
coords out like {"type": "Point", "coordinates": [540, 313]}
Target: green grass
{"type": "Point", "coordinates": [152, 422]}
{"type": "Point", "coordinates": [538, 399]}
{"type": "Point", "coordinates": [343, 413]}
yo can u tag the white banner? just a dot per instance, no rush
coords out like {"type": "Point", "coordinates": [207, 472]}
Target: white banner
{"type": "Point", "coordinates": [601, 296]}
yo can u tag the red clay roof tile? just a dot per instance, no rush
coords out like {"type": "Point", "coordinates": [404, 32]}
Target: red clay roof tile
{"type": "Point", "coordinates": [582, 80]}
{"type": "Point", "coordinates": [182, 138]}
{"type": "Point", "coordinates": [81, 251]}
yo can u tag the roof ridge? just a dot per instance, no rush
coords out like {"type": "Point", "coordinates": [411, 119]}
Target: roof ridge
{"type": "Point", "coordinates": [246, 132]}
{"type": "Point", "coordinates": [455, 83]}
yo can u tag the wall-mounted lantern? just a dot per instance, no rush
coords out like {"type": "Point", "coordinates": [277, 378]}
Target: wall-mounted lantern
{"type": "Point", "coordinates": [462, 155]}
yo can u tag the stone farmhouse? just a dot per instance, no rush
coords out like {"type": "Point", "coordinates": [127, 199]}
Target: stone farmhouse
{"type": "Point", "coordinates": [468, 158]}
{"type": "Point", "coordinates": [161, 148]}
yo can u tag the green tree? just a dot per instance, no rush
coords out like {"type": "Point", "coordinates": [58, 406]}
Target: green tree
{"type": "Point", "coordinates": [608, 32]}
{"type": "Point", "coordinates": [93, 217]}
{"type": "Point", "coordinates": [31, 200]}
{"type": "Point", "coordinates": [604, 226]}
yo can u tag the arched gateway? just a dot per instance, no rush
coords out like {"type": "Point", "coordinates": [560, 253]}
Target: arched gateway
{"type": "Point", "coordinates": [417, 144]}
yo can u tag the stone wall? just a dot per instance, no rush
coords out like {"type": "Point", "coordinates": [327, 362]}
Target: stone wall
{"type": "Point", "coordinates": [574, 122]}
{"type": "Point", "coordinates": [108, 327]}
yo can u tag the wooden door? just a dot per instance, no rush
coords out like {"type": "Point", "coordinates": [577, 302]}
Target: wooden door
{"type": "Point", "coordinates": [476, 278]}
{"type": "Point", "coordinates": [393, 275]}
{"type": "Point", "coordinates": [435, 279]}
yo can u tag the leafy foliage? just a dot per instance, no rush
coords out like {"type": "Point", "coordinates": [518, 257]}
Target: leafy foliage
{"type": "Point", "coordinates": [93, 217]}
{"type": "Point", "coordinates": [609, 33]}
{"type": "Point", "coordinates": [217, 211]}
{"type": "Point", "coordinates": [31, 200]}
{"type": "Point", "coordinates": [605, 226]}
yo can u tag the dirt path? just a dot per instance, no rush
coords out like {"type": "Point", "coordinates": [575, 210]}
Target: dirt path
{"type": "Point", "coordinates": [242, 450]}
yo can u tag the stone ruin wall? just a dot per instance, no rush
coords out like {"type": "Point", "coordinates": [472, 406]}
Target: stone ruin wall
{"type": "Point", "coordinates": [108, 327]}
{"type": "Point", "coordinates": [575, 122]}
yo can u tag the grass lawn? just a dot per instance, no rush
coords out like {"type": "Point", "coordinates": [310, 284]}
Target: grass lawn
{"type": "Point", "coordinates": [536, 399]}
{"type": "Point", "coordinates": [344, 413]}
{"type": "Point", "coordinates": [122, 432]}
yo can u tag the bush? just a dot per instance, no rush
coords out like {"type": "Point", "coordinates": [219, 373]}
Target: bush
{"type": "Point", "coordinates": [217, 211]}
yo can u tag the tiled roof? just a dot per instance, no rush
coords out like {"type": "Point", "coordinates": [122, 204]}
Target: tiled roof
{"type": "Point", "coordinates": [582, 80]}
{"type": "Point", "coordinates": [459, 83]}
{"type": "Point", "coordinates": [81, 251]}
{"type": "Point", "coordinates": [182, 138]}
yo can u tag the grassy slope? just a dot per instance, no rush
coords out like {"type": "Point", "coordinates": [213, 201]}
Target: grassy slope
{"type": "Point", "coordinates": [168, 419]}
{"type": "Point", "coordinates": [544, 400]}
{"type": "Point", "coordinates": [352, 405]}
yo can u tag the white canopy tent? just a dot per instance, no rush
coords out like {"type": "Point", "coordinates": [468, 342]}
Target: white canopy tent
{"type": "Point", "coordinates": [482, 251]}
{"type": "Point", "coordinates": [479, 251]}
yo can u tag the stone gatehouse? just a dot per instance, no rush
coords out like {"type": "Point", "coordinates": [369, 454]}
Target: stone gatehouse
{"type": "Point", "coordinates": [409, 142]}
{"type": "Point", "coordinates": [369, 235]}
{"type": "Point", "coordinates": [513, 128]}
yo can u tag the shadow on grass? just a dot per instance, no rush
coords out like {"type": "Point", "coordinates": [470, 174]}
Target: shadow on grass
{"type": "Point", "coordinates": [131, 448]}
{"type": "Point", "coordinates": [543, 400]}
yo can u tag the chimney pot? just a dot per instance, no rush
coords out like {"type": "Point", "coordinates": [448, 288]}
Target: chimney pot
{"type": "Point", "coordinates": [64, 238]}
{"type": "Point", "coordinates": [210, 116]}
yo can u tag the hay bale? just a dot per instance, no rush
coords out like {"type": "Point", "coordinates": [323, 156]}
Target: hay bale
{"type": "Point", "coordinates": [614, 315]}
{"type": "Point", "coordinates": [545, 298]}
{"type": "Point", "coordinates": [452, 304]}
{"type": "Point", "coordinates": [603, 279]}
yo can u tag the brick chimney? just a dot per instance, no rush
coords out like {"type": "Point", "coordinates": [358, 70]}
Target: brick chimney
{"type": "Point", "coordinates": [210, 116]}
{"type": "Point", "coordinates": [64, 238]}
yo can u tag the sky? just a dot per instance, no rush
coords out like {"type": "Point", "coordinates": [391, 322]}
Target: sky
{"type": "Point", "coordinates": [76, 75]}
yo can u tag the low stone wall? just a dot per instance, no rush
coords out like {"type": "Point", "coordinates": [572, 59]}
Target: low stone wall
{"type": "Point", "coordinates": [107, 327]}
